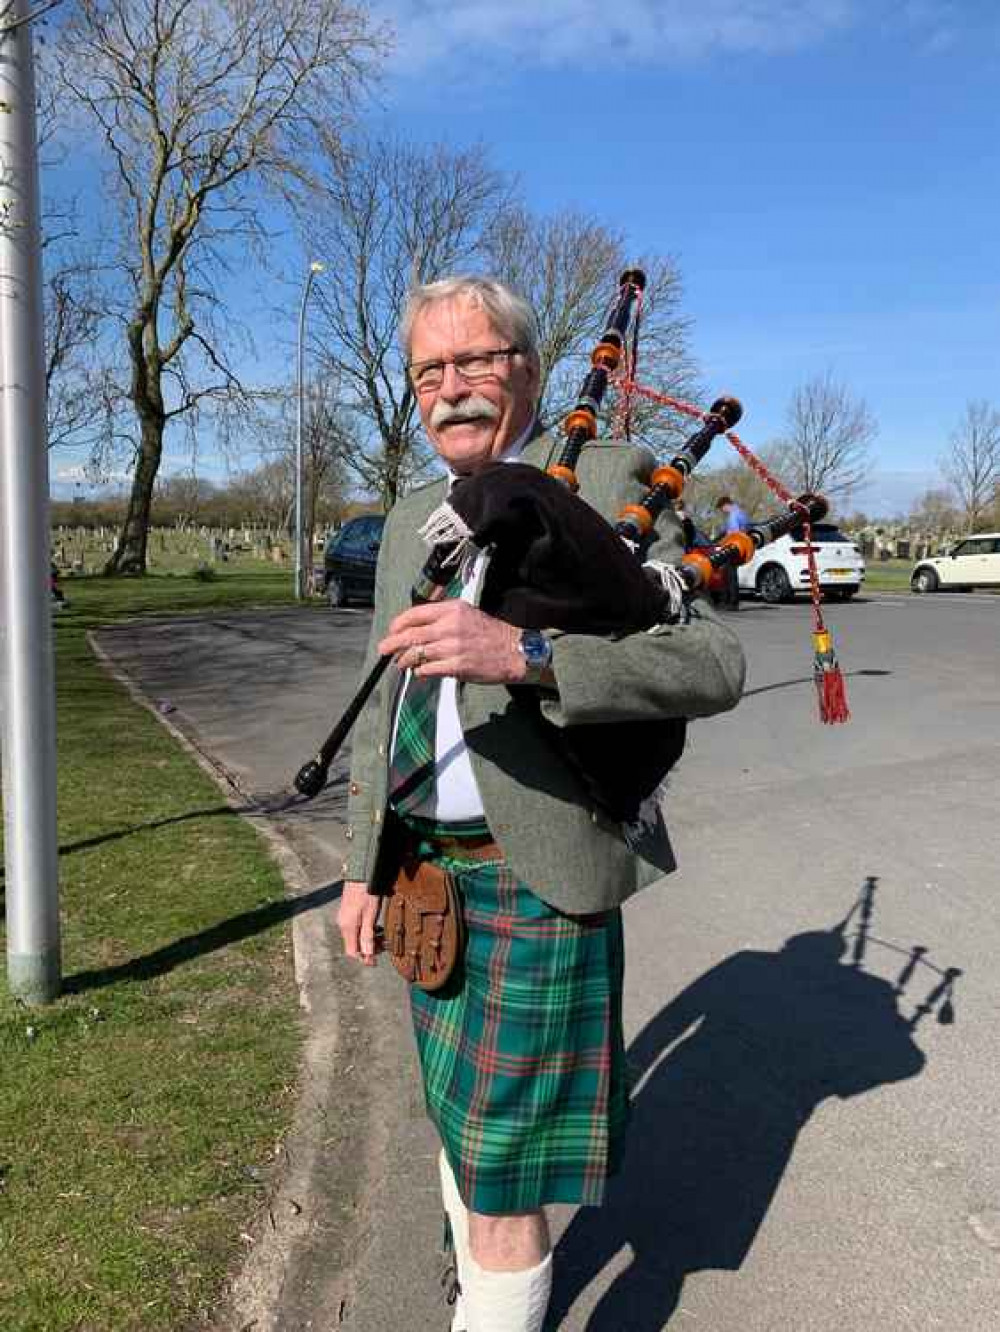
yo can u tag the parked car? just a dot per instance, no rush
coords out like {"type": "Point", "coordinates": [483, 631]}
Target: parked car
{"type": "Point", "coordinates": [781, 569]}
{"type": "Point", "coordinates": [349, 560]}
{"type": "Point", "coordinates": [972, 562]}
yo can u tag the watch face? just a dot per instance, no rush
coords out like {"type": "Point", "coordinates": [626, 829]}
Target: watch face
{"type": "Point", "coordinates": [536, 648]}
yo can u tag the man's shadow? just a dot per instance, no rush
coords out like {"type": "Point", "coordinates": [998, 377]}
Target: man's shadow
{"type": "Point", "coordinates": [724, 1080]}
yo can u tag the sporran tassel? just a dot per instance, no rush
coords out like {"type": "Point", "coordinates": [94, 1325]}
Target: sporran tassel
{"type": "Point", "coordinates": [830, 687]}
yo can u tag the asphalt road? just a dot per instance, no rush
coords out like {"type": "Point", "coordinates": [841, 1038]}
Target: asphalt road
{"type": "Point", "coordinates": [812, 1002]}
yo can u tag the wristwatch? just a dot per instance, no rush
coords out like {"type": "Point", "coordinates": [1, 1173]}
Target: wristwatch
{"type": "Point", "coordinates": [537, 652]}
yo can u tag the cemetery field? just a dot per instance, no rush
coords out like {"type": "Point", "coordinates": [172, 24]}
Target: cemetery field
{"type": "Point", "coordinates": [175, 551]}
{"type": "Point", "coordinates": [141, 1114]}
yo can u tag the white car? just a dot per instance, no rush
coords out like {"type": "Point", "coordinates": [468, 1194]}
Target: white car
{"type": "Point", "coordinates": [781, 569]}
{"type": "Point", "coordinates": [973, 562]}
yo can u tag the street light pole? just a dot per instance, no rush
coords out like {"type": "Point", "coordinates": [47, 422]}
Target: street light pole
{"type": "Point", "coordinates": [300, 588]}
{"type": "Point", "coordinates": [29, 718]}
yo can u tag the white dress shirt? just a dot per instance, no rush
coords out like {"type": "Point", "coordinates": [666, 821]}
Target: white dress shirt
{"type": "Point", "coordinates": [455, 797]}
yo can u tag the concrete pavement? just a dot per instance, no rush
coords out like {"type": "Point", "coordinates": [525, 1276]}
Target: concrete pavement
{"type": "Point", "coordinates": [816, 1109]}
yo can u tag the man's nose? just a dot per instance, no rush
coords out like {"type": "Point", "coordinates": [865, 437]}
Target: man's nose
{"type": "Point", "coordinates": [453, 386]}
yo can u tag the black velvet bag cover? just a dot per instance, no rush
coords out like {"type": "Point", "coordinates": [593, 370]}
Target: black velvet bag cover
{"type": "Point", "coordinates": [557, 564]}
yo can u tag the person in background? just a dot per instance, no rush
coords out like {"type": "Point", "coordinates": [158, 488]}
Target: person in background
{"type": "Point", "coordinates": [688, 529]}
{"type": "Point", "coordinates": [59, 601]}
{"type": "Point", "coordinates": [735, 520]}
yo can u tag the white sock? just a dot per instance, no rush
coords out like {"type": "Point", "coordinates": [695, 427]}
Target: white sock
{"type": "Point", "coordinates": [458, 1217]}
{"type": "Point", "coordinates": [507, 1301]}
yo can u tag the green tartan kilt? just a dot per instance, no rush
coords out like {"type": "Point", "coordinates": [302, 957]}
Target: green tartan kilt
{"type": "Point", "coordinates": [522, 1054]}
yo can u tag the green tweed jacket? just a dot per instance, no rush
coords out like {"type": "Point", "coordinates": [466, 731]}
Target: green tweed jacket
{"type": "Point", "coordinates": [569, 852]}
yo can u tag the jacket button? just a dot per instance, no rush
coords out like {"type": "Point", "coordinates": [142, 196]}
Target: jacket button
{"type": "Point", "coordinates": [349, 834]}
{"type": "Point", "coordinates": [355, 788]}
{"type": "Point", "coordinates": [377, 816]}
{"type": "Point", "coordinates": [381, 751]}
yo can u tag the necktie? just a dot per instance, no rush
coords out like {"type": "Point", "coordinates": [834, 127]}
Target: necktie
{"type": "Point", "coordinates": [411, 772]}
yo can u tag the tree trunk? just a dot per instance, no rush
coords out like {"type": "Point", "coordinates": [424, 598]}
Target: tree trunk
{"type": "Point", "coordinates": [129, 555]}
{"type": "Point", "coordinates": [390, 476]}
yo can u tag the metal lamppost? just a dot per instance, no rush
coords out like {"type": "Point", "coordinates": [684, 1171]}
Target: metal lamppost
{"type": "Point", "coordinates": [28, 707]}
{"type": "Point", "coordinates": [300, 588]}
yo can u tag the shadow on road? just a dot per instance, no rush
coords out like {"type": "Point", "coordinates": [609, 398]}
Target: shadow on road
{"type": "Point", "coordinates": [726, 1077]}
{"type": "Point", "coordinates": [808, 679]}
{"type": "Point", "coordinates": [182, 950]}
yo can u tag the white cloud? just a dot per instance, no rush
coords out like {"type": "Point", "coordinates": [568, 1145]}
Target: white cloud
{"type": "Point", "coordinates": [652, 32]}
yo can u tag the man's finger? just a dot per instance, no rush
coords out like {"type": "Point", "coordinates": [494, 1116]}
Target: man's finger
{"type": "Point", "coordinates": [417, 616]}
{"type": "Point", "coordinates": [368, 943]}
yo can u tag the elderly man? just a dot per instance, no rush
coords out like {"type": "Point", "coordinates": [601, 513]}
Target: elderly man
{"type": "Point", "coordinates": [523, 1056]}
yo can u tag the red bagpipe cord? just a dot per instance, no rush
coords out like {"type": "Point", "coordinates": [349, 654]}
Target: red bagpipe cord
{"type": "Point", "coordinates": [831, 690]}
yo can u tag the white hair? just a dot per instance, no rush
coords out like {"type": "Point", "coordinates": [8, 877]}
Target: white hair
{"type": "Point", "coordinates": [510, 313]}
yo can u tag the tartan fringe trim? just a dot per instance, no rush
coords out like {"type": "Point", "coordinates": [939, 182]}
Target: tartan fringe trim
{"type": "Point", "coordinates": [445, 527]}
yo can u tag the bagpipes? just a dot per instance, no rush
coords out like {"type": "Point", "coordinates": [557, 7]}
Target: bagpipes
{"type": "Point", "coordinates": [540, 535]}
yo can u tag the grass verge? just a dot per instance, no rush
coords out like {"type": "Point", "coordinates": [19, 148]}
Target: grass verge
{"type": "Point", "coordinates": [888, 575]}
{"type": "Point", "coordinates": [139, 1113]}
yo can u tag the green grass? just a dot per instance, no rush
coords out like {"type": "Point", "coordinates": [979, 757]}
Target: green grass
{"type": "Point", "coordinates": [139, 1112]}
{"type": "Point", "coordinates": [888, 575]}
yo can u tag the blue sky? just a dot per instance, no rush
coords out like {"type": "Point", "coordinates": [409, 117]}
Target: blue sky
{"type": "Point", "coordinates": [827, 174]}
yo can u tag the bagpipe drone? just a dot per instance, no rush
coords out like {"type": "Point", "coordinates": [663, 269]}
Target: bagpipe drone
{"type": "Point", "coordinates": [555, 563]}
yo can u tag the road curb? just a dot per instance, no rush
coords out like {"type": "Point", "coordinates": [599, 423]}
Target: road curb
{"type": "Point", "coordinates": [254, 1297]}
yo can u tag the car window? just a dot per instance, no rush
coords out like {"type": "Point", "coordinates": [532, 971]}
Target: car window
{"type": "Point", "coordinates": [822, 533]}
{"type": "Point", "coordinates": [373, 530]}
{"type": "Point", "coordinates": [352, 538]}
{"type": "Point", "coordinates": [974, 546]}
{"type": "Point", "coordinates": [827, 532]}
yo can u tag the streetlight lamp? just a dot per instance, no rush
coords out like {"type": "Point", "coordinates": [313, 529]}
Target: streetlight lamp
{"type": "Point", "coordinates": [300, 588]}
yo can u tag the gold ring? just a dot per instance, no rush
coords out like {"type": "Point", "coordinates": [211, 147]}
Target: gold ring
{"type": "Point", "coordinates": [421, 656]}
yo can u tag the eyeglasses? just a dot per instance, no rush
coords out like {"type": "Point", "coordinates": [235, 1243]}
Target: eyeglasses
{"type": "Point", "coordinates": [472, 366]}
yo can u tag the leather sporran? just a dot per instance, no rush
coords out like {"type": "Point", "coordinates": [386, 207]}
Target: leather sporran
{"type": "Point", "coordinates": [424, 926]}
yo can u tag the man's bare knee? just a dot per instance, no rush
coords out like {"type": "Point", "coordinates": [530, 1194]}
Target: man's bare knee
{"type": "Point", "coordinates": [508, 1243]}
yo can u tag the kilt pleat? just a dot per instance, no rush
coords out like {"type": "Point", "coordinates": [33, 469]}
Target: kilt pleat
{"type": "Point", "coordinates": [522, 1055]}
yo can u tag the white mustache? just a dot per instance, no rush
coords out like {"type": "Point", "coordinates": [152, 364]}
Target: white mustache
{"type": "Point", "coordinates": [474, 408]}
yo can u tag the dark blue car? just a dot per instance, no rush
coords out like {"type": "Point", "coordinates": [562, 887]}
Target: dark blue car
{"type": "Point", "coordinates": [349, 560]}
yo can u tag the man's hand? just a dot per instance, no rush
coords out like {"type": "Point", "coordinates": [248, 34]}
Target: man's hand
{"type": "Point", "coordinates": [356, 919]}
{"type": "Point", "coordinates": [453, 638]}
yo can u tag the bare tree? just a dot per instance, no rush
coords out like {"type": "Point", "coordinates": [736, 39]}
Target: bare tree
{"type": "Point", "coordinates": [264, 495]}
{"type": "Point", "coordinates": [327, 445]}
{"type": "Point", "coordinates": [199, 103]}
{"type": "Point", "coordinates": [972, 461]}
{"type": "Point", "coordinates": [77, 385]}
{"type": "Point", "coordinates": [568, 266]}
{"type": "Point", "coordinates": [731, 476]}
{"type": "Point", "coordinates": [830, 433]}
{"type": "Point", "coordinates": [387, 215]}
{"type": "Point", "coordinates": [935, 512]}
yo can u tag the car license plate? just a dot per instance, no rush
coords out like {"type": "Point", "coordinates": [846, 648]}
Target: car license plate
{"type": "Point", "coordinates": [840, 573]}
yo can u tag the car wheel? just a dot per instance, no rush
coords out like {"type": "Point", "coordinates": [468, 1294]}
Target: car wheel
{"type": "Point", "coordinates": [335, 593]}
{"type": "Point", "coordinates": [773, 584]}
{"type": "Point", "coordinates": [924, 580]}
